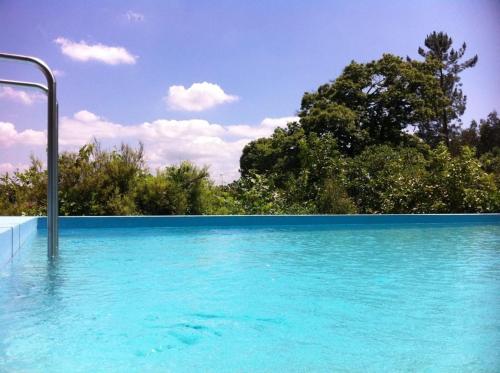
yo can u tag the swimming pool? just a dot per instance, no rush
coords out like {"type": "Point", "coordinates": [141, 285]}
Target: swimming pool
{"type": "Point", "coordinates": [303, 295]}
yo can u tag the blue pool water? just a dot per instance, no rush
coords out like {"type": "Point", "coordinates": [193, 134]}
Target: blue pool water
{"type": "Point", "coordinates": [275, 299]}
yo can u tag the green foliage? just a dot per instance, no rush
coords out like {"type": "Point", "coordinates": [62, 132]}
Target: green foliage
{"type": "Point", "coordinates": [160, 195]}
{"type": "Point", "coordinates": [183, 190]}
{"type": "Point", "coordinates": [491, 164]}
{"type": "Point", "coordinates": [291, 175]}
{"type": "Point", "coordinates": [116, 182]}
{"type": "Point", "coordinates": [447, 67]}
{"type": "Point", "coordinates": [193, 181]}
{"type": "Point", "coordinates": [459, 184]}
{"type": "Point", "coordinates": [97, 182]}
{"type": "Point", "coordinates": [24, 193]}
{"type": "Point", "coordinates": [485, 138]}
{"type": "Point", "coordinates": [258, 195]}
{"type": "Point", "coordinates": [391, 180]}
{"type": "Point", "coordinates": [291, 153]}
{"type": "Point", "coordinates": [352, 151]}
{"type": "Point", "coordinates": [489, 134]}
{"type": "Point", "coordinates": [372, 103]}
{"type": "Point", "coordinates": [333, 199]}
{"type": "Point", "coordinates": [222, 200]}
{"type": "Point", "coordinates": [383, 179]}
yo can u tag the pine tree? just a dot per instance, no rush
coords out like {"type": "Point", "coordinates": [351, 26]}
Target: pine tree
{"type": "Point", "coordinates": [449, 66]}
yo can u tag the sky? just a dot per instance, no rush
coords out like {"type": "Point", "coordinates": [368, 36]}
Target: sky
{"type": "Point", "coordinates": [197, 80]}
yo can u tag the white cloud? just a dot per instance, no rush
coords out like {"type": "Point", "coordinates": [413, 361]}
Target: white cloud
{"type": "Point", "coordinates": [266, 128]}
{"type": "Point", "coordinates": [198, 97]}
{"type": "Point", "coordinates": [11, 167]}
{"type": "Point", "coordinates": [166, 141]}
{"type": "Point", "coordinates": [81, 51]}
{"type": "Point", "coordinates": [278, 122]}
{"type": "Point", "coordinates": [134, 16]}
{"type": "Point", "coordinates": [9, 136]}
{"type": "Point", "coordinates": [59, 73]}
{"type": "Point", "coordinates": [86, 116]}
{"type": "Point", "coordinates": [20, 96]}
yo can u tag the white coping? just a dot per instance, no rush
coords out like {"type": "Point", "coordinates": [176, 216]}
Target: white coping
{"type": "Point", "coordinates": [14, 231]}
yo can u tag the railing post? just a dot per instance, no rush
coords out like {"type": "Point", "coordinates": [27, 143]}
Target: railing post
{"type": "Point", "coordinates": [52, 167]}
{"type": "Point", "coordinates": [52, 146]}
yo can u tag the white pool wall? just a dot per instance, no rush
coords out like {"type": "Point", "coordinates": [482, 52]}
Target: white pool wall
{"type": "Point", "coordinates": [14, 231]}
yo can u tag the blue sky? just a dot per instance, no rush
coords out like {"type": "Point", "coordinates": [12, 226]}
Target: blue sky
{"type": "Point", "coordinates": [117, 61]}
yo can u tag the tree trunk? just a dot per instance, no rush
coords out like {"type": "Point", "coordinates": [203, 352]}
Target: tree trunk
{"type": "Point", "coordinates": [444, 117]}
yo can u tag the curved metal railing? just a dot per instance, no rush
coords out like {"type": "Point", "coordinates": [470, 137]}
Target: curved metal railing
{"type": "Point", "coordinates": [52, 144]}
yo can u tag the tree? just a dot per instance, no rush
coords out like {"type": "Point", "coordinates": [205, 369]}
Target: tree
{"type": "Point", "coordinates": [448, 64]}
{"type": "Point", "coordinates": [257, 194]}
{"type": "Point", "coordinates": [466, 137]}
{"type": "Point", "coordinates": [334, 199]}
{"type": "Point", "coordinates": [277, 152]}
{"type": "Point", "coordinates": [183, 189]}
{"type": "Point", "coordinates": [289, 151]}
{"type": "Point", "coordinates": [297, 164]}
{"type": "Point", "coordinates": [459, 184]}
{"type": "Point", "coordinates": [489, 145]}
{"type": "Point", "coordinates": [489, 133]}
{"type": "Point", "coordinates": [194, 181]}
{"type": "Point", "coordinates": [384, 179]}
{"type": "Point", "coordinates": [491, 164]}
{"type": "Point", "coordinates": [25, 192]}
{"type": "Point", "coordinates": [98, 182]}
{"type": "Point", "coordinates": [159, 195]}
{"type": "Point", "coordinates": [373, 103]}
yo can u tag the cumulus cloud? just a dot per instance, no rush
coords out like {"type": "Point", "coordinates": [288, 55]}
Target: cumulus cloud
{"type": "Point", "coordinates": [134, 16]}
{"type": "Point", "coordinates": [9, 136]}
{"type": "Point", "coordinates": [11, 167]}
{"type": "Point", "coordinates": [278, 122]}
{"type": "Point", "coordinates": [81, 51]}
{"type": "Point", "coordinates": [198, 97]}
{"type": "Point", "coordinates": [20, 96]}
{"type": "Point", "coordinates": [86, 116]}
{"type": "Point", "coordinates": [266, 128]}
{"type": "Point", "coordinates": [165, 141]}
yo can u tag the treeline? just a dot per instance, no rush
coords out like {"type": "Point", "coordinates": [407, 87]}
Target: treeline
{"type": "Point", "coordinates": [94, 181]}
{"type": "Point", "coordinates": [307, 173]}
{"type": "Point", "coordinates": [384, 137]}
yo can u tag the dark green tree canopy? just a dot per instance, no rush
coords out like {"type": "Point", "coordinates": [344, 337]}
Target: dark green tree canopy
{"type": "Point", "coordinates": [373, 103]}
{"type": "Point", "coordinates": [289, 152]}
{"type": "Point", "coordinates": [485, 136]}
{"type": "Point", "coordinates": [489, 133]}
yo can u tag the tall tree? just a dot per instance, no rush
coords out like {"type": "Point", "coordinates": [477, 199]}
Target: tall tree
{"type": "Point", "coordinates": [449, 65]}
{"type": "Point", "coordinates": [373, 103]}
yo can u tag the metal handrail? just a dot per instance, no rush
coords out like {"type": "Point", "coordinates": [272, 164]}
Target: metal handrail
{"type": "Point", "coordinates": [24, 84]}
{"type": "Point", "coordinates": [52, 144]}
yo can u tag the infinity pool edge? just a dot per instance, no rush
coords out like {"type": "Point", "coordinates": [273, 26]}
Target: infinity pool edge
{"type": "Point", "coordinates": [15, 230]}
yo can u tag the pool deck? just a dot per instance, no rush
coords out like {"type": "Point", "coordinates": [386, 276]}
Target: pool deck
{"type": "Point", "coordinates": [15, 230]}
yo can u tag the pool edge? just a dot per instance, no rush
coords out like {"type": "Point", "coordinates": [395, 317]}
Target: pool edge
{"type": "Point", "coordinates": [14, 232]}
{"type": "Point", "coordinates": [264, 220]}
